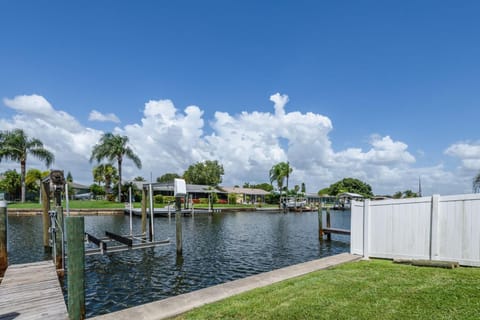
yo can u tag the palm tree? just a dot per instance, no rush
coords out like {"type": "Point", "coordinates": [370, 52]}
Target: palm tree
{"type": "Point", "coordinates": [106, 174]}
{"type": "Point", "coordinates": [287, 170]}
{"type": "Point", "coordinates": [114, 147]}
{"type": "Point", "coordinates": [276, 174]}
{"type": "Point", "coordinates": [279, 173]}
{"type": "Point", "coordinates": [33, 180]}
{"type": "Point", "coordinates": [476, 183]}
{"type": "Point", "coordinates": [16, 145]}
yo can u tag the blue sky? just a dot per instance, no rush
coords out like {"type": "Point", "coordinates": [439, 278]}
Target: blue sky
{"type": "Point", "coordinates": [399, 83]}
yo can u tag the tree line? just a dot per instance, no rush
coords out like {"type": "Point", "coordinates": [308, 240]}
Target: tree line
{"type": "Point", "coordinates": [112, 149]}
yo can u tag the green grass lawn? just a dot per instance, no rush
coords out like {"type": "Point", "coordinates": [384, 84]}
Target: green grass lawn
{"type": "Point", "coordinates": [102, 204]}
{"type": "Point", "coordinates": [376, 289]}
{"type": "Point", "coordinates": [76, 204]}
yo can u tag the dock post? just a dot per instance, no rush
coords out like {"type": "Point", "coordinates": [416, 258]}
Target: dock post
{"type": "Point", "coordinates": [178, 224]}
{"type": "Point", "coordinates": [3, 237]}
{"type": "Point", "coordinates": [152, 213]}
{"type": "Point", "coordinates": [76, 268]}
{"type": "Point", "coordinates": [320, 222]}
{"type": "Point", "coordinates": [59, 241]}
{"type": "Point", "coordinates": [144, 212]}
{"type": "Point", "coordinates": [46, 217]}
{"type": "Point", "coordinates": [329, 235]}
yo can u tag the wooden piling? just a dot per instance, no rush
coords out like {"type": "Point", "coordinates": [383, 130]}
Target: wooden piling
{"type": "Point", "coordinates": [45, 216]}
{"type": "Point", "coordinates": [144, 211]}
{"type": "Point", "coordinates": [3, 238]}
{"type": "Point", "coordinates": [151, 230]}
{"type": "Point", "coordinates": [59, 234]}
{"type": "Point", "coordinates": [320, 222]}
{"type": "Point", "coordinates": [178, 224]}
{"type": "Point", "coordinates": [329, 235]}
{"type": "Point", "coordinates": [76, 268]}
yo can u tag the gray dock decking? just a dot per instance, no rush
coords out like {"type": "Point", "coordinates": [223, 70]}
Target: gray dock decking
{"type": "Point", "coordinates": [32, 291]}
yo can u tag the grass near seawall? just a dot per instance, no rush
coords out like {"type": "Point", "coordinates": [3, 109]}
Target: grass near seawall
{"type": "Point", "coordinates": [376, 289]}
{"type": "Point", "coordinates": [103, 204]}
{"type": "Point", "coordinates": [76, 204]}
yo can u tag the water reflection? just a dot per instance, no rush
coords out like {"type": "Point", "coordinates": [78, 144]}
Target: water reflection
{"type": "Point", "coordinates": [216, 249]}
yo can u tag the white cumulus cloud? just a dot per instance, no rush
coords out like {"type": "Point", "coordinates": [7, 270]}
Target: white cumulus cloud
{"type": "Point", "coordinates": [60, 133]}
{"type": "Point", "coordinates": [248, 144]}
{"type": "Point", "coordinates": [467, 152]}
{"type": "Point", "coordinates": [98, 116]}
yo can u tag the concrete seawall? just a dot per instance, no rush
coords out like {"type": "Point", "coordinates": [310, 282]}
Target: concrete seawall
{"type": "Point", "coordinates": [173, 306]}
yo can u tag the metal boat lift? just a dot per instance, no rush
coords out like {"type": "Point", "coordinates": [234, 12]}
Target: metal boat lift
{"type": "Point", "coordinates": [121, 242]}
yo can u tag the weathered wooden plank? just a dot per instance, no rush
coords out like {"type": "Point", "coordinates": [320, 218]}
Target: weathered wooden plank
{"type": "Point", "coordinates": [119, 238]}
{"type": "Point", "coordinates": [98, 242]}
{"type": "Point", "coordinates": [335, 230]}
{"type": "Point", "coordinates": [32, 291]}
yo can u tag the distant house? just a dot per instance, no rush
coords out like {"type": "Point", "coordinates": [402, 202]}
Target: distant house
{"type": "Point", "coordinates": [194, 191]}
{"type": "Point", "coordinates": [380, 197]}
{"type": "Point", "coordinates": [247, 195]}
{"type": "Point", "coordinates": [345, 199]}
{"type": "Point", "coordinates": [79, 191]}
{"type": "Point", "coordinates": [315, 199]}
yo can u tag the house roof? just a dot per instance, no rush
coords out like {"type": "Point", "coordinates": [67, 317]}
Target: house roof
{"type": "Point", "coordinates": [249, 191]}
{"type": "Point", "coordinates": [350, 195]}
{"type": "Point", "coordinates": [75, 185]}
{"type": "Point", "coordinates": [191, 188]}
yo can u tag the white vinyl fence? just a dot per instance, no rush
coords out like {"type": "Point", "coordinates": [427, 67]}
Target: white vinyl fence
{"type": "Point", "coordinates": [434, 228]}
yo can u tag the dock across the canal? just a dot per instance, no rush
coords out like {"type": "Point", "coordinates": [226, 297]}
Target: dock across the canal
{"type": "Point", "coordinates": [32, 291]}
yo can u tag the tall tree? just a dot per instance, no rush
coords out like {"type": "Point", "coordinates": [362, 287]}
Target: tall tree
{"type": "Point", "coordinates": [207, 173]}
{"type": "Point", "coordinates": [115, 147]}
{"type": "Point", "coordinates": [351, 185]}
{"type": "Point", "coordinates": [16, 145]}
{"type": "Point", "coordinates": [106, 174]}
{"type": "Point", "coordinates": [167, 177]}
{"type": "Point", "coordinates": [11, 184]}
{"type": "Point", "coordinates": [69, 177]}
{"type": "Point", "coordinates": [410, 194]}
{"type": "Point", "coordinates": [288, 170]}
{"type": "Point", "coordinates": [279, 172]}
{"type": "Point", "coordinates": [264, 186]}
{"type": "Point", "coordinates": [476, 183]}
{"type": "Point", "coordinates": [276, 175]}
{"type": "Point", "coordinates": [33, 180]}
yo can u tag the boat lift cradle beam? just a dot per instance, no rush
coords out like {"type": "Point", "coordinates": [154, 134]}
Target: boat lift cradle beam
{"type": "Point", "coordinates": [127, 243]}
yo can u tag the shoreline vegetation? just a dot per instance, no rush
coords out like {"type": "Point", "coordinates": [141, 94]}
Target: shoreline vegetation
{"type": "Point", "coordinates": [104, 207]}
{"type": "Point", "coordinates": [374, 289]}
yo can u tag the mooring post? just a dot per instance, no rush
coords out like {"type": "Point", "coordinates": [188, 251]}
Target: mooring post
{"type": "Point", "coordinates": [178, 224]}
{"type": "Point", "coordinates": [152, 213]}
{"type": "Point", "coordinates": [320, 222]}
{"type": "Point", "coordinates": [76, 268]}
{"type": "Point", "coordinates": [46, 216]}
{"type": "Point", "coordinates": [3, 237]}
{"type": "Point", "coordinates": [329, 235]}
{"type": "Point", "coordinates": [59, 240]}
{"type": "Point", "coordinates": [144, 212]}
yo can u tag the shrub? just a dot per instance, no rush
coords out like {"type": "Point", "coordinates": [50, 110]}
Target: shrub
{"type": "Point", "coordinates": [232, 198]}
{"type": "Point", "coordinates": [168, 199]}
{"type": "Point", "coordinates": [158, 199]}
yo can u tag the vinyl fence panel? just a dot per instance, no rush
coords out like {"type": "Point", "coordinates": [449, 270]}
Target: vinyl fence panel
{"type": "Point", "coordinates": [437, 228]}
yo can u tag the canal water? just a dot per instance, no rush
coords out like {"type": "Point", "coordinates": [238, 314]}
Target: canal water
{"type": "Point", "coordinates": [216, 249]}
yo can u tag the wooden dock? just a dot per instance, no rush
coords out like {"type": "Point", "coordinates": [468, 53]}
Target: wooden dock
{"type": "Point", "coordinates": [32, 291]}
